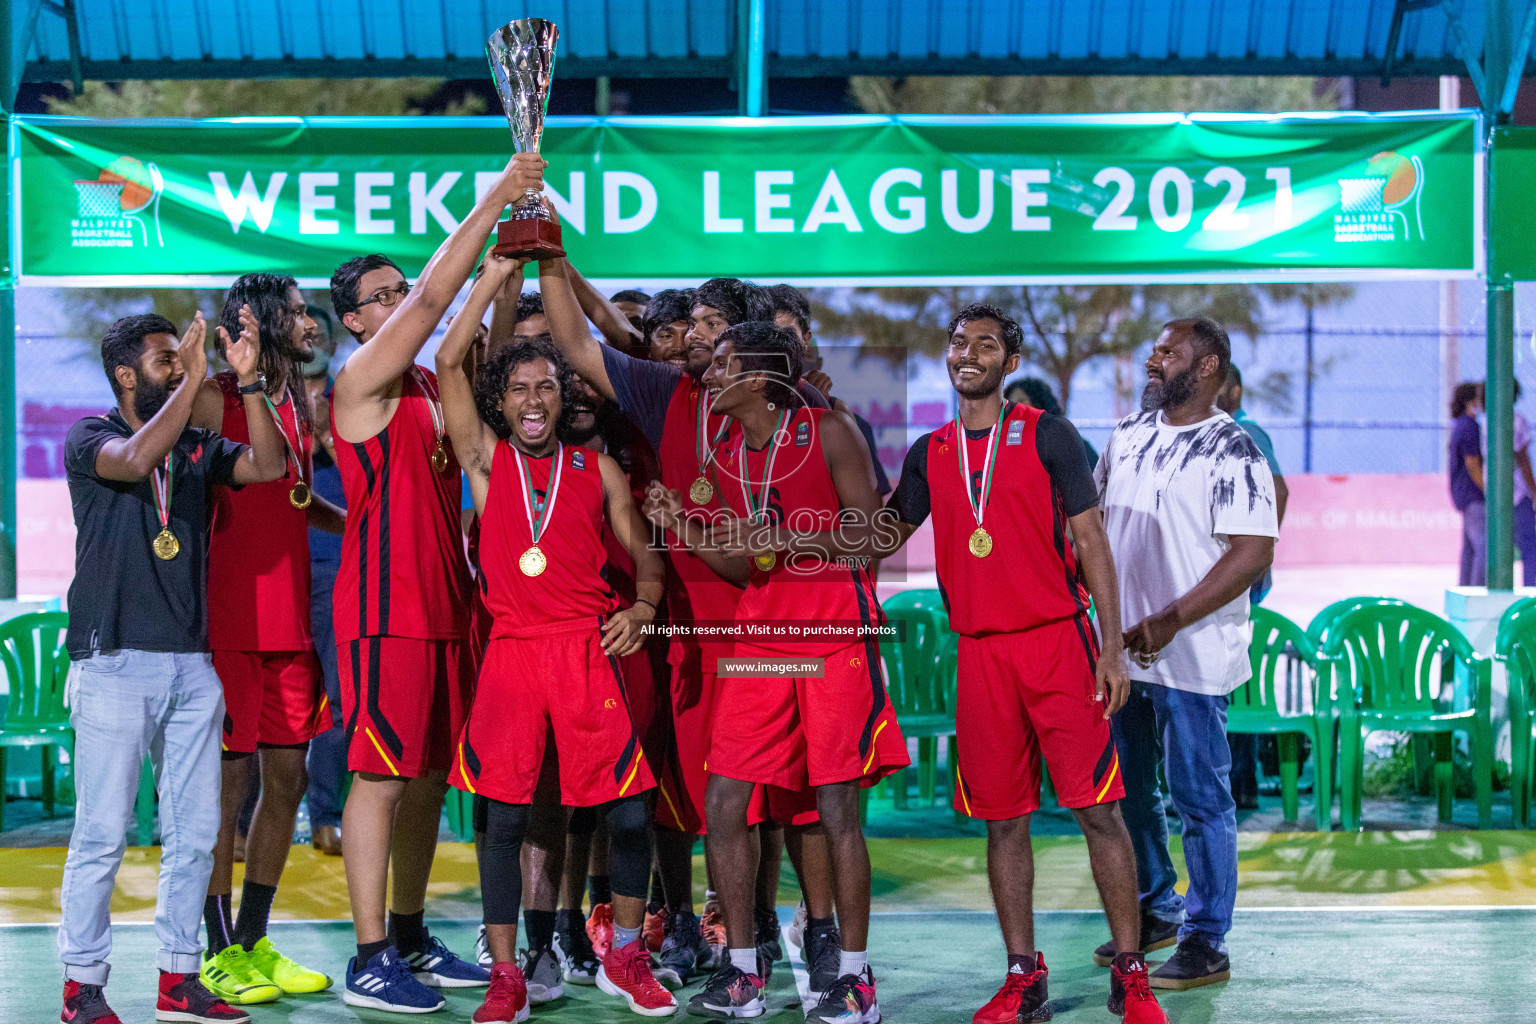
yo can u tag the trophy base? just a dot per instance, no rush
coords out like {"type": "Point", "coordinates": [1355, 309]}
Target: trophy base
{"type": "Point", "coordinates": [531, 238]}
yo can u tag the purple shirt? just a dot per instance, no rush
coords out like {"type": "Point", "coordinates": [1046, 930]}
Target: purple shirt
{"type": "Point", "coordinates": [1466, 440]}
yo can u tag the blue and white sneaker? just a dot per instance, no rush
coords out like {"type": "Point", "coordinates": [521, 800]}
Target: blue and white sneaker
{"type": "Point", "coordinates": [438, 967]}
{"type": "Point", "coordinates": [386, 983]}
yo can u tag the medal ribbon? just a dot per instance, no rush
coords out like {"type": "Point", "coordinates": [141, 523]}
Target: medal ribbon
{"type": "Point", "coordinates": [298, 463]}
{"type": "Point", "coordinates": [978, 503]}
{"type": "Point", "coordinates": [434, 404]}
{"type": "Point", "coordinates": [703, 449]}
{"type": "Point", "coordinates": [755, 508]}
{"type": "Point", "coordinates": [537, 522]}
{"type": "Point", "coordinates": [162, 489]}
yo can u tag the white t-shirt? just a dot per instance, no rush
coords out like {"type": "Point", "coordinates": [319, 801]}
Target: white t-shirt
{"type": "Point", "coordinates": [1171, 498]}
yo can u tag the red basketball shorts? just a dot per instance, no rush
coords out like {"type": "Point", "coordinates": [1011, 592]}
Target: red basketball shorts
{"type": "Point", "coordinates": [798, 732]}
{"type": "Point", "coordinates": [559, 690]}
{"type": "Point", "coordinates": [1021, 695]}
{"type": "Point", "coordinates": [685, 775]}
{"type": "Point", "coordinates": [276, 698]}
{"type": "Point", "coordinates": [404, 701]}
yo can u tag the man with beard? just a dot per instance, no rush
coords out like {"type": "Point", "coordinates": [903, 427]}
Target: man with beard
{"type": "Point", "coordinates": [1189, 509]}
{"type": "Point", "coordinates": [666, 326]}
{"type": "Point", "coordinates": [402, 606]}
{"type": "Point", "coordinates": [263, 651]}
{"type": "Point", "coordinates": [550, 723]}
{"type": "Point", "coordinates": [668, 406]}
{"type": "Point", "coordinates": [787, 470]}
{"type": "Point", "coordinates": [140, 682]}
{"type": "Point", "coordinates": [1005, 484]}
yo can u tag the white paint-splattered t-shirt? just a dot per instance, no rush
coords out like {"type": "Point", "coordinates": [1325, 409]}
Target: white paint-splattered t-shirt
{"type": "Point", "coordinates": [1171, 497]}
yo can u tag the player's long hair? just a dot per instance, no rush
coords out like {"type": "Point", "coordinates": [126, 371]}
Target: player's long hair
{"type": "Point", "coordinates": [267, 295]}
{"type": "Point", "coordinates": [491, 382]}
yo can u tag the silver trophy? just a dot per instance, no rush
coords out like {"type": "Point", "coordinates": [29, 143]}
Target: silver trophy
{"type": "Point", "coordinates": [522, 58]}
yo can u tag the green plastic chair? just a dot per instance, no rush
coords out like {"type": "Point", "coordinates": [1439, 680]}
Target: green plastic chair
{"type": "Point", "coordinates": [1318, 628]}
{"type": "Point", "coordinates": [1516, 648]}
{"type": "Point", "coordinates": [1280, 647]}
{"type": "Point", "coordinates": [916, 598]}
{"type": "Point", "coordinates": [1392, 657]}
{"type": "Point", "coordinates": [36, 667]}
{"type": "Point", "coordinates": [918, 692]}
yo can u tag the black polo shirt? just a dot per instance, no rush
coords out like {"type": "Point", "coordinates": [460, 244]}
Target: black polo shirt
{"type": "Point", "coordinates": [123, 596]}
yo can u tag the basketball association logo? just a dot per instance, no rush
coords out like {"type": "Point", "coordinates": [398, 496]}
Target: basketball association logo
{"type": "Point", "coordinates": [117, 208]}
{"type": "Point", "coordinates": [1387, 197]}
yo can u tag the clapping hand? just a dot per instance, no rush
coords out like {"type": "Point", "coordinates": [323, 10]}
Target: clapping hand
{"type": "Point", "coordinates": [244, 353]}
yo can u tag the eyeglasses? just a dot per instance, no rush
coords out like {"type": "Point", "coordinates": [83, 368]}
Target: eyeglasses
{"type": "Point", "coordinates": [389, 296]}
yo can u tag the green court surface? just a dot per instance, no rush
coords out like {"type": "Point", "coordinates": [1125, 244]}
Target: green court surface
{"type": "Point", "coordinates": [1356, 965]}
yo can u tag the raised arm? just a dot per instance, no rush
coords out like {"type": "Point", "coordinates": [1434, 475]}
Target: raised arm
{"type": "Point", "coordinates": [504, 310]}
{"type": "Point", "coordinates": [624, 633]}
{"type": "Point", "coordinates": [473, 440]}
{"type": "Point", "coordinates": [133, 458]}
{"type": "Point", "coordinates": [610, 322]}
{"type": "Point", "coordinates": [267, 457]}
{"type": "Point", "coordinates": [568, 326]}
{"type": "Point", "coordinates": [372, 371]}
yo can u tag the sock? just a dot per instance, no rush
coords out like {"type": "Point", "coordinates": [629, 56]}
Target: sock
{"type": "Point", "coordinates": [255, 907]}
{"type": "Point", "coordinates": [852, 963]}
{"type": "Point", "coordinates": [216, 920]}
{"type": "Point", "coordinates": [817, 923]}
{"type": "Point", "coordinates": [406, 932]}
{"type": "Point", "coordinates": [624, 936]}
{"type": "Point", "coordinates": [368, 950]}
{"type": "Point", "coordinates": [601, 891]}
{"type": "Point", "coordinates": [1021, 963]}
{"type": "Point", "coordinates": [745, 959]}
{"type": "Point", "coordinates": [540, 925]}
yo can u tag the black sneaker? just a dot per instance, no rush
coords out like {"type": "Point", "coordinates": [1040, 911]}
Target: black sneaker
{"type": "Point", "coordinates": [573, 949]}
{"type": "Point", "coordinates": [1155, 934]}
{"type": "Point", "coordinates": [769, 946]}
{"type": "Point", "coordinates": [823, 956]}
{"type": "Point", "coordinates": [680, 945]}
{"type": "Point", "coordinates": [730, 992]}
{"type": "Point", "coordinates": [1196, 962]}
{"type": "Point", "coordinates": [86, 1004]}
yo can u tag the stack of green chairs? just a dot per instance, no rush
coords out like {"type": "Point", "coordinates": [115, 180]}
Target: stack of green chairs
{"type": "Point", "coordinates": [920, 688]}
{"type": "Point", "coordinates": [36, 667]}
{"type": "Point", "coordinates": [1280, 647]}
{"type": "Point", "coordinates": [1388, 659]}
{"type": "Point", "coordinates": [1516, 647]}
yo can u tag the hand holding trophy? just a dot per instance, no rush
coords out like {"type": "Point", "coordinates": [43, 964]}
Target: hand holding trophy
{"type": "Point", "coordinates": [522, 58]}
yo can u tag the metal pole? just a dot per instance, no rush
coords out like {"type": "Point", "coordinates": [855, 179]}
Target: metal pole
{"type": "Point", "coordinates": [1499, 391]}
{"type": "Point", "coordinates": [8, 79]}
{"type": "Point", "coordinates": [1306, 408]}
{"type": "Point", "coordinates": [1450, 299]}
{"type": "Point", "coordinates": [751, 60]}
{"type": "Point", "coordinates": [604, 99]}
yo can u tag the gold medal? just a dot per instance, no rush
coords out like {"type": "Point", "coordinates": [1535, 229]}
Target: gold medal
{"type": "Point", "coordinates": [166, 545]}
{"type": "Point", "coordinates": [981, 543]}
{"type": "Point", "coordinates": [765, 561]}
{"type": "Point", "coordinates": [440, 458]}
{"type": "Point", "coordinates": [532, 562]}
{"type": "Point", "coordinates": [299, 495]}
{"type": "Point", "coordinates": [701, 491]}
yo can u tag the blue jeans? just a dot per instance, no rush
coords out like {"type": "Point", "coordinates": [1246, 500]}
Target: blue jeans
{"type": "Point", "coordinates": [328, 751]}
{"type": "Point", "coordinates": [1187, 733]}
{"type": "Point", "coordinates": [125, 705]}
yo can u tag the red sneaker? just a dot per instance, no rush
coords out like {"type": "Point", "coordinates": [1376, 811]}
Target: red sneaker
{"type": "Point", "coordinates": [655, 928]}
{"type": "Point", "coordinates": [1130, 993]}
{"type": "Point", "coordinates": [506, 1001]}
{"type": "Point", "coordinates": [627, 972]}
{"type": "Point", "coordinates": [600, 928]}
{"type": "Point", "coordinates": [1023, 997]}
{"type": "Point", "coordinates": [86, 1004]}
{"type": "Point", "coordinates": [184, 999]}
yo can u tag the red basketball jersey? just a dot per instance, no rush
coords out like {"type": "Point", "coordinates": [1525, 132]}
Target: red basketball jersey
{"type": "Point", "coordinates": [403, 571]}
{"type": "Point", "coordinates": [1030, 576]}
{"type": "Point", "coordinates": [800, 589]}
{"type": "Point", "coordinates": [571, 587]}
{"type": "Point", "coordinates": [258, 547]}
{"type": "Point", "coordinates": [694, 592]}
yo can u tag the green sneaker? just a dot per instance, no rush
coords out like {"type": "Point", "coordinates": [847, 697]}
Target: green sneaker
{"type": "Point", "coordinates": [294, 979]}
{"type": "Point", "coordinates": [231, 976]}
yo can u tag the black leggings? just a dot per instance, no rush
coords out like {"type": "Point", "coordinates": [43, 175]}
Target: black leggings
{"type": "Point", "coordinates": [501, 869]}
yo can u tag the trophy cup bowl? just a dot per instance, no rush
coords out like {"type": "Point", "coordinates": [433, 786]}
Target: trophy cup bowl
{"type": "Point", "coordinates": [522, 59]}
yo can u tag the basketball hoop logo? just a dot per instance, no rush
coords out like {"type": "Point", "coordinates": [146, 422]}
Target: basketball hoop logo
{"type": "Point", "coordinates": [1372, 207]}
{"type": "Point", "coordinates": [112, 205]}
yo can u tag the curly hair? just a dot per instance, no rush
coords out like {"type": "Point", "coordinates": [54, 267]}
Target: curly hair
{"type": "Point", "coordinates": [1013, 334]}
{"type": "Point", "coordinates": [731, 296]}
{"type": "Point", "coordinates": [491, 382]}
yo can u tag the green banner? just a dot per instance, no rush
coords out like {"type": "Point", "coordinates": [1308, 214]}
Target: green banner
{"type": "Point", "coordinates": [851, 200]}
